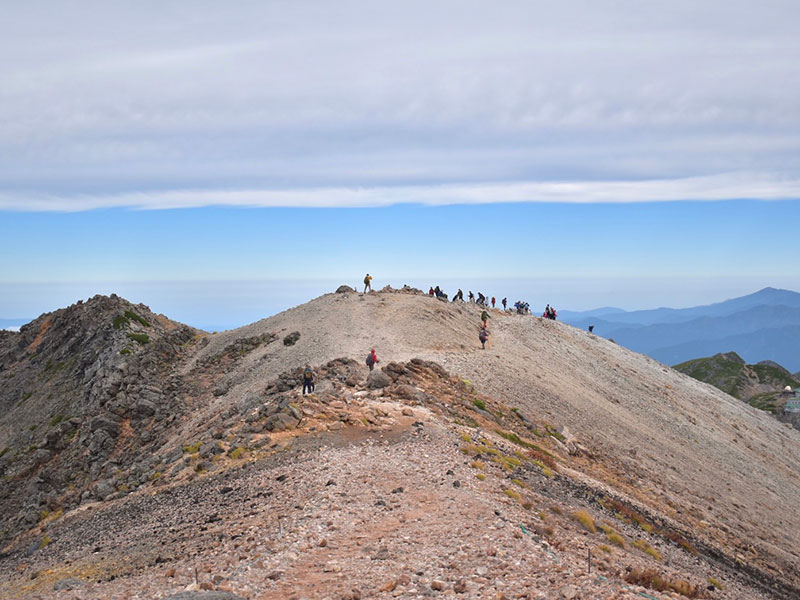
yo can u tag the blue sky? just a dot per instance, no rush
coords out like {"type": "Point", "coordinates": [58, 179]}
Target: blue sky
{"type": "Point", "coordinates": [598, 150]}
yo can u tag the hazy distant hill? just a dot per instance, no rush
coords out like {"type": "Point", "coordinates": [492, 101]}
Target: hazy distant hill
{"type": "Point", "coordinates": [761, 326]}
{"type": "Point", "coordinates": [759, 385]}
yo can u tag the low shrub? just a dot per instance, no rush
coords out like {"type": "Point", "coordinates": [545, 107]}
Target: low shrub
{"type": "Point", "coordinates": [616, 539]}
{"type": "Point", "coordinates": [479, 404]}
{"type": "Point", "coordinates": [192, 448]}
{"type": "Point", "coordinates": [512, 494]}
{"type": "Point", "coordinates": [477, 464]}
{"type": "Point", "coordinates": [651, 578]}
{"type": "Point", "coordinates": [585, 519]}
{"type": "Point", "coordinates": [480, 476]}
{"type": "Point", "coordinates": [715, 583]}
{"type": "Point", "coordinates": [236, 453]}
{"type": "Point", "coordinates": [647, 549]}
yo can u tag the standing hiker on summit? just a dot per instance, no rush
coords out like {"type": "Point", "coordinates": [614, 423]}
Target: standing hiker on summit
{"type": "Point", "coordinates": [505, 303]}
{"type": "Point", "coordinates": [484, 317]}
{"type": "Point", "coordinates": [367, 283]}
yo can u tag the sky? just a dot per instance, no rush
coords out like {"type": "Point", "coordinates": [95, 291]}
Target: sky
{"type": "Point", "coordinates": [222, 162]}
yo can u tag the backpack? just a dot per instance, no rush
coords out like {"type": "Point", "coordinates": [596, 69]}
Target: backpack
{"type": "Point", "coordinates": [484, 335]}
{"type": "Point", "coordinates": [367, 278]}
{"type": "Point", "coordinates": [369, 359]}
{"type": "Point", "coordinates": [308, 375]}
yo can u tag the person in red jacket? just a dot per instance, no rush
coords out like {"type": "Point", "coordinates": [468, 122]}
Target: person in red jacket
{"type": "Point", "coordinates": [492, 301]}
{"type": "Point", "coordinates": [372, 359]}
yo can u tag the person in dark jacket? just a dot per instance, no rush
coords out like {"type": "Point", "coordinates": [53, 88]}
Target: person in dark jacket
{"type": "Point", "coordinates": [308, 380]}
{"type": "Point", "coordinates": [505, 303]}
{"type": "Point", "coordinates": [483, 336]}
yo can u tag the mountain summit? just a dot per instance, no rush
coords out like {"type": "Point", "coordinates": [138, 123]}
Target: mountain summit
{"type": "Point", "coordinates": [143, 457]}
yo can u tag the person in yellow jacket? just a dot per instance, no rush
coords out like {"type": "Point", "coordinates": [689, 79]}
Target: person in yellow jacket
{"type": "Point", "coordinates": [367, 283]}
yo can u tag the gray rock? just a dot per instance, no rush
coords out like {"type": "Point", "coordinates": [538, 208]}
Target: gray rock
{"type": "Point", "coordinates": [378, 379]}
{"type": "Point", "coordinates": [104, 489]}
{"type": "Point", "coordinates": [221, 389]}
{"type": "Point", "coordinates": [143, 409]}
{"type": "Point", "coordinates": [345, 289]}
{"type": "Point", "coordinates": [295, 412]}
{"type": "Point", "coordinates": [280, 422]}
{"type": "Point", "coordinates": [105, 423]}
{"type": "Point", "coordinates": [291, 339]}
{"type": "Point", "coordinates": [204, 596]}
{"type": "Point", "coordinates": [248, 402]}
{"type": "Point", "coordinates": [68, 584]}
{"type": "Point", "coordinates": [210, 449]}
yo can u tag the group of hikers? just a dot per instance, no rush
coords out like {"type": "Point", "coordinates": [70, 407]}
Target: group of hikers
{"type": "Point", "coordinates": [520, 306]}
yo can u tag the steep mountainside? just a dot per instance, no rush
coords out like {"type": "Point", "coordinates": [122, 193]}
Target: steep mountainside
{"type": "Point", "coordinates": [144, 466]}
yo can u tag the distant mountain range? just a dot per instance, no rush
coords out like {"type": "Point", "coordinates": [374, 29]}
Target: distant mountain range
{"type": "Point", "coordinates": [761, 326]}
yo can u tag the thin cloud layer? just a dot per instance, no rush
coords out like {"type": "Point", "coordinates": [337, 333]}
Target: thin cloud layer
{"type": "Point", "coordinates": [356, 104]}
{"type": "Point", "coordinates": [696, 189]}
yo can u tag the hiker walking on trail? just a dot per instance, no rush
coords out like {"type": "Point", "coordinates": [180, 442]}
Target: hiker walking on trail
{"type": "Point", "coordinates": [484, 317]}
{"type": "Point", "coordinates": [492, 301]}
{"type": "Point", "coordinates": [367, 283]}
{"type": "Point", "coordinates": [483, 336]}
{"type": "Point", "coordinates": [372, 359]}
{"type": "Point", "coordinates": [308, 380]}
{"type": "Point", "coordinates": [505, 303]}
{"type": "Point", "coordinates": [459, 295]}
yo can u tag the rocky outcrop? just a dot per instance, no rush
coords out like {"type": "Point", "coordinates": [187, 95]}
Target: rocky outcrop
{"type": "Point", "coordinates": [85, 388]}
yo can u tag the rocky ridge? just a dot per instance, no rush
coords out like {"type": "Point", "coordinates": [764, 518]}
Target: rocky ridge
{"type": "Point", "coordinates": [449, 470]}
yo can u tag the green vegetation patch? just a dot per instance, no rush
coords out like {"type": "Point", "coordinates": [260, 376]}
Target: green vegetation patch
{"type": "Point", "coordinates": [139, 338]}
{"type": "Point", "coordinates": [56, 420]}
{"type": "Point", "coordinates": [124, 319]}
{"type": "Point", "coordinates": [3, 452]}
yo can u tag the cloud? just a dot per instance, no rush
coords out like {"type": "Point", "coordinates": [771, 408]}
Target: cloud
{"type": "Point", "coordinates": [713, 188]}
{"type": "Point", "coordinates": [353, 95]}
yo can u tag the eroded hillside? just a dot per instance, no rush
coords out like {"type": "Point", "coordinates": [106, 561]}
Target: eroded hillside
{"type": "Point", "coordinates": [452, 468]}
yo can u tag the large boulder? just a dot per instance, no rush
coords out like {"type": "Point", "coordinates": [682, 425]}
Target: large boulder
{"type": "Point", "coordinates": [344, 289]}
{"type": "Point", "coordinates": [377, 380]}
{"type": "Point", "coordinates": [204, 596]}
{"type": "Point", "coordinates": [291, 339]}
{"type": "Point", "coordinates": [280, 422]}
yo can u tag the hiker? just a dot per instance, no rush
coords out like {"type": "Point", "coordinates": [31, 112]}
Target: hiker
{"type": "Point", "coordinates": [505, 303]}
{"type": "Point", "coordinates": [459, 295]}
{"type": "Point", "coordinates": [481, 299]}
{"type": "Point", "coordinates": [430, 292]}
{"type": "Point", "coordinates": [367, 283]}
{"type": "Point", "coordinates": [484, 317]}
{"type": "Point", "coordinates": [437, 292]}
{"type": "Point", "coordinates": [308, 380]}
{"type": "Point", "coordinates": [471, 296]}
{"type": "Point", "coordinates": [546, 313]}
{"type": "Point", "coordinates": [591, 328]}
{"type": "Point", "coordinates": [372, 359]}
{"type": "Point", "coordinates": [483, 336]}
{"type": "Point", "coordinates": [492, 301]}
